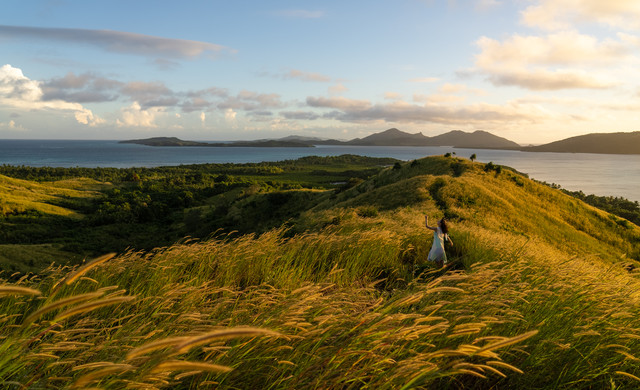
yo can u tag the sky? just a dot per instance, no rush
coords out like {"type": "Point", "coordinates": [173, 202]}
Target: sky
{"type": "Point", "coordinates": [532, 71]}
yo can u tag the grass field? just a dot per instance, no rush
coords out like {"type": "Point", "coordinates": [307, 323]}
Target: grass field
{"type": "Point", "coordinates": [542, 292]}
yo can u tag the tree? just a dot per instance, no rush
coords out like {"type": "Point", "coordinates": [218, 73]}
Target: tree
{"type": "Point", "coordinates": [473, 157]}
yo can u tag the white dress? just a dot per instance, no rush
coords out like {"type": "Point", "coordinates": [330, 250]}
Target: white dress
{"type": "Point", "coordinates": [437, 248]}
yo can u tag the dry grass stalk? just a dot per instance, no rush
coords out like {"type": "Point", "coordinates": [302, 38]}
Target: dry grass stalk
{"type": "Point", "coordinates": [506, 342]}
{"type": "Point", "coordinates": [84, 380]}
{"type": "Point", "coordinates": [181, 365]}
{"type": "Point", "coordinates": [92, 306]}
{"type": "Point", "coordinates": [87, 267]}
{"type": "Point", "coordinates": [499, 363]}
{"type": "Point", "coordinates": [58, 304]}
{"type": "Point", "coordinates": [155, 345]}
{"type": "Point", "coordinates": [206, 338]}
{"type": "Point", "coordinates": [628, 375]}
{"type": "Point", "coordinates": [17, 290]}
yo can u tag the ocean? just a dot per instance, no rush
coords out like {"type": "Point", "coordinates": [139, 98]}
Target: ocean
{"type": "Point", "coordinates": [600, 174]}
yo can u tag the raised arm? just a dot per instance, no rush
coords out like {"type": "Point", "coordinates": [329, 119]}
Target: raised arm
{"type": "Point", "coordinates": [426, 223]}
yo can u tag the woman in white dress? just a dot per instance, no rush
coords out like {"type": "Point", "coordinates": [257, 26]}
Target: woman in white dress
{"type": "Point", "coordinates": [440, 234]}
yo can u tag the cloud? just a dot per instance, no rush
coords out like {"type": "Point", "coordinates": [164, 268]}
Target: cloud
{"type": "Point", "coordinates": [136, 116]}
{"type": "Point", "coordinates": [203, 117]}
{"type": "Point", "coordinates": [20, 92]}
{"type": "Point", "coordinates": [150, 94]}
{"type": "Point", "coordinates": [562, 48]}
{"type": "Point", "coordinates": [196, 104]}
{"type": "Point", "coordinates": [337, 89]}
{"type": "Point", "coordinates": [403, 112]}
{"type": "Point", "coordinates": [249, 101]}
{"type": "Point", "coordinates": [306, 76]}
{"type": "Point", "coordinates": [116, 41]}
{"type": "Point", "coordinates": [448, 89]}
{"type": "Point", "coordinates": [11, 126]}
{"type": "Point", "coordinates": [300, 115]}
{"type": "Point", "coordinates": [438, 98]}
{"type": "Point", "coordinates": [300, 14]}
{"type": "Point", "coordinates": [541, 79]}
{"type": "Point", "coordinates": [230, 115]}
{"type": "Point", "coordinates": [562, 14]}
{"type": "Point", "coordinates": [392, 96]}
{"type": "Point", "coordinates": [563, 60]}
{"type": "Point", "coordinates": [340, 103]}
{"type": "Point", "coordinates": [83, 88]}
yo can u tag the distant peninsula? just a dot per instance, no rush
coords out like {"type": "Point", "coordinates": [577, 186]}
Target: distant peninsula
{"type": "Point", "coordinates": [173, 141]}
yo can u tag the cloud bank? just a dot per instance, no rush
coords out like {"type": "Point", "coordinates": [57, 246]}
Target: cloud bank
{"type": "Point", "coordinates": [116, 41]}
{"type": "Point", "coordinates": [20, 92]}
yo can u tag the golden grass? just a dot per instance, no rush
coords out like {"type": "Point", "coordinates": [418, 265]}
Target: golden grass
{"type": "Point", "coordinates": [17, 290]}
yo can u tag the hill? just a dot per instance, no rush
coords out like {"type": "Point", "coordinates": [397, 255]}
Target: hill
{"type": "Point", "coordinates": [541, 292]}
{"type": "Point", "coordinates": [477, 140]}
{"type": "Point", "coordinates": [608, 143]}
{"type": "Point", "coordinates": [460, 139]}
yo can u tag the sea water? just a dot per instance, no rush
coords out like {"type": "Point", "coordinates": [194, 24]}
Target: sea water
{"type": "Point", "coordinates": [600, 174]}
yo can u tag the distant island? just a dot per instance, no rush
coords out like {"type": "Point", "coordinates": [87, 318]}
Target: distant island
{"type": "Point", "coordinates": [173, 141]}
{"type": "Point", "coordinates": [605, 143]}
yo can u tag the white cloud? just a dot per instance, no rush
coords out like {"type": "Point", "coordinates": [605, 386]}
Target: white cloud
{"type": "Point", "coordinates": [203, 117]}
{"type": "Point", "coordinates": [230, 115]}
{"type": "Point", "coordinates": [306, 76]}
{"type": "Point", "coordinates": [136, 116]}
{"type": "Point", "coordinates": [562, 14]}
{"type": "Point", "coordinates": [11, 126]}
{"type": "Point", "coordinates": [116, 41]}
{"type": "Point", "coordinates": [449, 88]}
{"type": "Point", "coordinates": [392, 96]}
{"type": "Point", "coordinates": [337, 89]}
{"type": "Point", "coordinates": [561, 60]}
{"type": "Point", "coordinates": [20, 92]}
{"type": "Point", "coordinates": [340, 103]}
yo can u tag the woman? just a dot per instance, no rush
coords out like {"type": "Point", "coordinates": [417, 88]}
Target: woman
{"type": "Point", "coordinates": [440, 233]}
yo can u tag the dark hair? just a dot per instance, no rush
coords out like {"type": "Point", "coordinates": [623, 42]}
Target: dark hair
{"type": "Point", "coordinates": [443, 226]}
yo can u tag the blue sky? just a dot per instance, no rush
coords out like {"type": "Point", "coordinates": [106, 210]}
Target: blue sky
{"type": "Point", "coordinates": [533, 71]}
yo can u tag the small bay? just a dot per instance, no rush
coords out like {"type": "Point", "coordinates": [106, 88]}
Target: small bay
{"type": "Point", "coordinates": [600, 174]}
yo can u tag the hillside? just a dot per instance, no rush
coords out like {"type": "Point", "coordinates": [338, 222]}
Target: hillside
{"type": "Point", "coordinates": [542, 292]}
{"type": "Point", "coordinates": [608, 143]}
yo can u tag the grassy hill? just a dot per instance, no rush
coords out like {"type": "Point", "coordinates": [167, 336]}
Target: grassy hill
{"type": "Point", "coordinates": [542, 292]}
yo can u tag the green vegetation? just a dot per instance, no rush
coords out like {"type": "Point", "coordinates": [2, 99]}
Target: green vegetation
{"type": "Point", "coordinates": [542, 292]}
{"type": "Point", "coordinates": [89, 211]}
{"type": "Point", "coordinates": [615, 205]}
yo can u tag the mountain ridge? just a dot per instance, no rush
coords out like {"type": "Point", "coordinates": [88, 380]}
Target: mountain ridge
{"type": "Point", "coordinates": [605, 143]}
